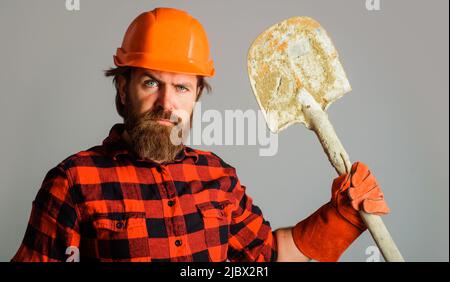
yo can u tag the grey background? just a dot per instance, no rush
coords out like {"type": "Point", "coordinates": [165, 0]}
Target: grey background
{"type": "Point", "coordinates": [55, 102]}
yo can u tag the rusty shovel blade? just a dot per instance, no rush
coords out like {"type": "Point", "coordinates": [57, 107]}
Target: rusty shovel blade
{"type": "Point", "coordinates": [293, 57]}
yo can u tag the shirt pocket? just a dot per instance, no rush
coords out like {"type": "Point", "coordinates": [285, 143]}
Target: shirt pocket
{"type": "Point", "coordinates": [115, 236]}
{"type": "Point", "coordinates": [216, 221]}
{"type": "Point", "coordinates": [127, 225]}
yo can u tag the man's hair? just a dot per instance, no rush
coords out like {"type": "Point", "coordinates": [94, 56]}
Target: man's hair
{"type": "Point", "coordinates": [126, 73]}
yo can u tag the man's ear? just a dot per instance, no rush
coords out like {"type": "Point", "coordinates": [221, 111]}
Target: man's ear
{"type": "Point", "coordinates": [122, 88]}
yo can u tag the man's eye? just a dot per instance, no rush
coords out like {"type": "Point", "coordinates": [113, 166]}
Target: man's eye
{"type": "Point", "coordinates": [151, 83]}
{"type": "Point", "coordinates": [182, 88]}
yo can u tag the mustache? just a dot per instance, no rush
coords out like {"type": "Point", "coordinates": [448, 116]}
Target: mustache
{"type": "Point", "coordinates": [160, 113]}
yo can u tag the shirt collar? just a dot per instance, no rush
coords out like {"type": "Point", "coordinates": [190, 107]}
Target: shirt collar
{"type": "Point", "coordinates": [115, 145]}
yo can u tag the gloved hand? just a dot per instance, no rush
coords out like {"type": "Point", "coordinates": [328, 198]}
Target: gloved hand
{"type": "Point", "coordinates": [328, 232]}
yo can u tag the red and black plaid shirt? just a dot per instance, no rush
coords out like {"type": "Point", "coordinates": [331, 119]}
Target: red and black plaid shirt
{"type": "Point", "coordinates": [112, 206]}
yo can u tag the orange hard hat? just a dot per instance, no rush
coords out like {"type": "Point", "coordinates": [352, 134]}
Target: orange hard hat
{"type": "Point", "coordinates": [166, 39]}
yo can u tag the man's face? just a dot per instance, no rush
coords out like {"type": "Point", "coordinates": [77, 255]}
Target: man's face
{"type": "Point", "coordinates": [172, 91]}
{"type": "Point", "coordinates": [155, 102]}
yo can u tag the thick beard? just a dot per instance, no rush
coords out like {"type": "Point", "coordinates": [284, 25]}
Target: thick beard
{"type": "Point", "coordinates": [149, 139]}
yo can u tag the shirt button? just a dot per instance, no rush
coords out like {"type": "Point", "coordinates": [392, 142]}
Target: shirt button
{"type": "Point", "coordinates": [119, 225]}
{"type": "Point", "coordinates": [178, 243]}
{"type": "Point", "coordinates": [171, 203]}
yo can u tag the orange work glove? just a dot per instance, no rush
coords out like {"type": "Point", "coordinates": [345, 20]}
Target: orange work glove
{"type": "Point", "coordinates": [328, 232]}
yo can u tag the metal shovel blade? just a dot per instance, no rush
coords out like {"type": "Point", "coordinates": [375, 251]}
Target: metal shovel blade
{"type": "Point", "coordinates": [291, 57]}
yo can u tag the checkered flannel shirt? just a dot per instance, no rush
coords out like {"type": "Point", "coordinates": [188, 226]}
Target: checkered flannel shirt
{"type": "Point", "coordinates": [109, 205]}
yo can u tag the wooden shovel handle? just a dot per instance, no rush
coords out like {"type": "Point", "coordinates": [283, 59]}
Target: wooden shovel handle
{"type": "Point", "coordinates": [317, 120]}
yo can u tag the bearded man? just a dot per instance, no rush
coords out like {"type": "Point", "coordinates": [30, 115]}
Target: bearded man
{"type": "Point", "coordinates": [142, 195]}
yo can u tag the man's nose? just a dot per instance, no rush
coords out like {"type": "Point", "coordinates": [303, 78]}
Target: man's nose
{"type": "Point", "coordinates": [165, 98]}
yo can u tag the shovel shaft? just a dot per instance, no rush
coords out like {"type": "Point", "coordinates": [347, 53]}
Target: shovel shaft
{"type": "Point", "coordinates": [318, 121]}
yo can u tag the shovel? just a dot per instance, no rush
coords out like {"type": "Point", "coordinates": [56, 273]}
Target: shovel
{"type": "Point", "coordinates": [295, 74]}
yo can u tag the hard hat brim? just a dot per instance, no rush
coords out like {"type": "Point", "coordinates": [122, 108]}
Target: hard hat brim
{"type": "Point", "coordinates": [145, 60]}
